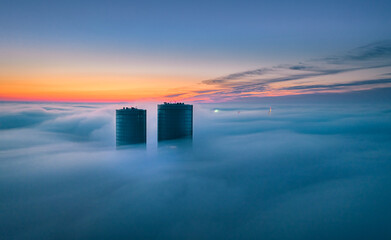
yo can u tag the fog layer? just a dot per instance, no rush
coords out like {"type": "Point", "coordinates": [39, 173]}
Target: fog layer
{"type": "Point", "coordinates": [300, 172]}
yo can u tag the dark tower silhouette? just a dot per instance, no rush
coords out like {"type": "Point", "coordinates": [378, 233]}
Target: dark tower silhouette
{"type": "Point", "coordinates": [131, 126]}
{"type": "Point", "coordinates": [175, 120]}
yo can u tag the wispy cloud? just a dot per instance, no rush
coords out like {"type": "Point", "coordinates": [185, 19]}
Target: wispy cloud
{"type": "Point", "coordinates": [174, 95]}
{"type": "Point", "coordinates": [263, 81]}
{"type": "Point", "coordinates": [239, 75]}
{"type": "Point", "coordinates": [339, 85]}
{"type": "Point", "coordinates": [374, 51]}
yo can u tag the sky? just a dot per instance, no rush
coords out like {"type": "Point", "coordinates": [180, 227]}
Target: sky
{"type": "Point", "coordinates": [200, 51]}
{"type": "Point", "coordinates": [291, 122]}
{"type": "Point", "coordinates": [301, 171]}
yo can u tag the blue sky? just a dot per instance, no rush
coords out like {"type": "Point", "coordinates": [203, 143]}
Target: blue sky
{"type": "Point", "coordinates": [192, 40]}
{"type": "Point", "coordinates": [227, 26]}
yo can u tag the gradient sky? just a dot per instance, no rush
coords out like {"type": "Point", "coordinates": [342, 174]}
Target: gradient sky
{"type": "Point", "coordinates": [191, 50]}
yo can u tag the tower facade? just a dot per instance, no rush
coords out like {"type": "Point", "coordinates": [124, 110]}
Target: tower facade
{"type": "Point", "coordinates": [175, 120]}
{"type": "Point", "coordinates": [131, 126]}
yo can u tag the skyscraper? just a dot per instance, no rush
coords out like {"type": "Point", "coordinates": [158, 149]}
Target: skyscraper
{"type": "Point", "coordinates": [131, 126]}
{"type": "Point", "coordinates": [175, 120]}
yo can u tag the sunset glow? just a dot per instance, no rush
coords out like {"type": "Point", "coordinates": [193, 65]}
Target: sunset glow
{"type": "Point", "coordinates": [195, 119]}
{"type": "Point", "coordinates": [188, 53]}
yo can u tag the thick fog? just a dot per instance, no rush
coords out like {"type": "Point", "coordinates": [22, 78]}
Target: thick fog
{"type": "Point", "coordinates": [309, 171]}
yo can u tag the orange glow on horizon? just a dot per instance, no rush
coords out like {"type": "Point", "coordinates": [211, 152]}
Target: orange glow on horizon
{"type": "Point", "coordinates": [89, 88]}
{"type": "Point", "coordinates": [124, 88]}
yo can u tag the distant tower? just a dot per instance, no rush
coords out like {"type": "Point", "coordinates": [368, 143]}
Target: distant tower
{"type": "Point", "coordinates": [175, 120]}
{"type": "Point", "coordinates": [131, 126]}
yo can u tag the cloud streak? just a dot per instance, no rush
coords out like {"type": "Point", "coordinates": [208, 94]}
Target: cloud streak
{"type": "Point", "coordinates": [270, 81]}
{"type": "Point", "coordinates": [340, 85]}
{"type": "Point", "coordinates": [380, 51]}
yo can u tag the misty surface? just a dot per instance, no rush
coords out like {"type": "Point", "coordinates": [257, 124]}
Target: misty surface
{"type": "Point", "coordinates": [305, 171]}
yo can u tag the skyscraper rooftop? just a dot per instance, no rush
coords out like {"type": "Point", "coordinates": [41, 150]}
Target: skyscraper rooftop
{"type": "Point", "coordinates": [131, 126]}
{"type": "Point", "coordinates": [175, 120]}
